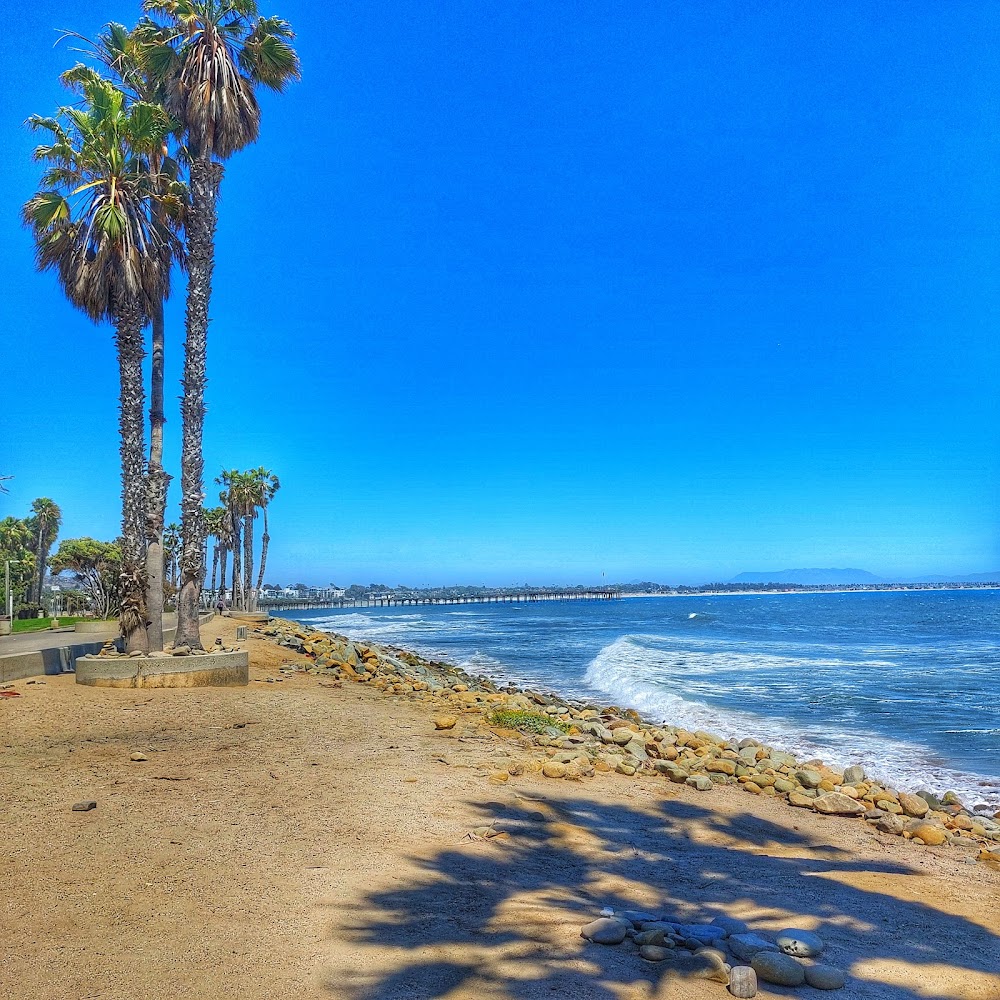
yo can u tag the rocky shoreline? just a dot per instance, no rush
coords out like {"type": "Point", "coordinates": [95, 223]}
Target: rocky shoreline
{"type": "Point", "coordinates": [567, 740]}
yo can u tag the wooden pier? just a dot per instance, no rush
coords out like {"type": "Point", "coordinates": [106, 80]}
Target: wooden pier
{"type": "Point", "coordinates": [402, 600]}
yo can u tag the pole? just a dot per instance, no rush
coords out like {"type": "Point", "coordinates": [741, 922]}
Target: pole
{"type": "Point", "coordinates": [10, 596]}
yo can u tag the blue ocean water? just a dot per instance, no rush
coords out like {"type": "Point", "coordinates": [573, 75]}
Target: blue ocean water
{"type": "Point", "coordinates": [905, 683]}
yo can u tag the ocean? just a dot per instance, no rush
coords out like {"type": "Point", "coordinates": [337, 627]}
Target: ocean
{"type": "Point", "coordinates": [905, 683]}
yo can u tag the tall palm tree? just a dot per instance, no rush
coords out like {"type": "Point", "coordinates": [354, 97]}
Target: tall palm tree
{"type": "Point", "coordinates": [218, 53]}
{"type": "Point", "coordinates": [94, 225]}
{"type": "Point", "coordinates": [215, 519]}
{"type": "Point", "coordinates": [122, 52]}
{"type": "Point", "coordinates": [45, 520]}
{"type": "Point", "coordinates": [266, 484]}
{"type": "Point", "coordinates": [231, 497]}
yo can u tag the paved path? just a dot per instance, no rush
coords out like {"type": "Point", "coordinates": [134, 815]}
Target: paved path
{"type": "Point", "coordinates": [29, 642]}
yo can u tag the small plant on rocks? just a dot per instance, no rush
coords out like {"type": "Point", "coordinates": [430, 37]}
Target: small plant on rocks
{"type": "Point", "coordinates": [531, 722]}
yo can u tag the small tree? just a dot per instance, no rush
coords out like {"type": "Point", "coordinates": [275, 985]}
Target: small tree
{"type": "Point", "coordinates": [96, 568]}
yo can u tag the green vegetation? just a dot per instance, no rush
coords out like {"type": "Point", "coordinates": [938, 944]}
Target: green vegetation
{"type": "Point", "coordinates": [529, 722]}
{"type": "Point", "coordinates": [39, 624]}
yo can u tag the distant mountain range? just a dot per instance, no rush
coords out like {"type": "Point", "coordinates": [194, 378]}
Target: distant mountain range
{"type": "Point", "coordinates": [832, 577]}
{"type": "Point", "coordinates": [817, 577]}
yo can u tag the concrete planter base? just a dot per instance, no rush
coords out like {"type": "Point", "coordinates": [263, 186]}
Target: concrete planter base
{"type": "Point", "coordinates": [165, 671]}
{"type": "Point", "coordinates": [96, 625]}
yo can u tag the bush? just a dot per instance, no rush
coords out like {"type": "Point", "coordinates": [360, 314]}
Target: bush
{"type": "Point", "coordinates": [530, 722]}
{"type": "Point", "coordinates": [23, 611]}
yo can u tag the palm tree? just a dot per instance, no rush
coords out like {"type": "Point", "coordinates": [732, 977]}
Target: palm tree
{"type": "Point", "coordinates": [266, 484]}
{"type": "Point", "coordinates": [45, 521]}
{"type": "Point", "coordinates": [122, 52]}
{"type": "Point", "coordinates": [233, 497]}
{"type": "Point", "coordinates": [94, 224]}
{"type": "Point", "coordinates": [215, 520]}
{"type": "Point", "coordinates": [218, 52]}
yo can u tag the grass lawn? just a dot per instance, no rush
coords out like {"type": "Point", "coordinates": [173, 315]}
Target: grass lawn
{"type": "Point", "coordinates": [37, 624]}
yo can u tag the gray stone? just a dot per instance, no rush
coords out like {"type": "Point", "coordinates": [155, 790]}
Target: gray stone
{"type": "Point", "coordinates": [890, 823]}
{"type": "Point", "coordinates": [605, 930]}
{"type": "Point", "coordinates": [705, 933]}
{"type": "Point", "coordinates": [801, 944]}
{"type": "Point", "coordinates": [838, 804]}
{"type": "Point", "coordinates": [781, 970]}
{"type": "Point", "coordinates": [808, 779]}
{"type": "Point", "coordinates": [742, 981]}
{"type": "Point", "coordinates": [85, 806]}
{"type": "Point", "coordinates": [655, 953]}
{"type": "Point", "coordinates": [694, 967]}
{"type": "Point", "coordinates": [854, 775]}
{"type": "Point", "coordinates": [622, 736]}
{"type": "Point", "coordinates": [638, 917]}
{"type": "Point", "coordinates": [825, 977]}
{"type": "Point", "coordinates": [745, 946]}
{"type": "Point", "coordinates": [700, 781]}
{"type": "Point", "coordinates": [730, 924]}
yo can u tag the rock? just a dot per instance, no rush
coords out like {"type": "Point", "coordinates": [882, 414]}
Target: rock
{"type": "Point", "coordinates": [929, 833]}
{"type": "Point", "coordinates": [136, 653]}
{"type": "Point", "coordinates": [801, 944]}
{"type": "Point", "coordinates": [890, 823]}
{"type": "Point", "coordinates": [838, 804]}
{"type": "Point", "coordinates": [808, 779]}
{"type": "Point", "coordinates": [854, 775]}
{"type": "Point", "coordinates": [742, 981]}
{"type": "Point", "coordinates": [721, 766]}
{"type": "Point", "coordinates": [637, 917]}
{"type": "Point", "coordinates": [745, 946]}
{"type": "Point", "coordinates": [990, 856]}
{"type": "Point", "coordinates": [700, 781]}
{"type": "Point", "coordinates": [85, 806]}
{"type": "Point", "coordinates": [445, 721]}
{"type": "Point", "coordinates": [652, 937]}
{"type": "Point", "coordinates": [730, 925]}
{"type": "Point", "coordinates": [800, 800]}
{"type": "Point", "coordinates": [553, 769]}
{"type": "Point", "coordinates": [655, 952]}
{"type": "Point", "coordinates": [693, 967]}
{"type": "Point", "coordinates": [138, 756]}
{"type": "Point", "coordinates": [781, 970]}
{"type": "Point", "coordinates": [622, 736]}
{"type": "Point", "coordinates": [180, 651]}
{"type": "Point", "coordinates": [605, 930]}
{"type": "Point", "coordinates": [705, 933]}
{"type": "Point", "coordinates": [825, 977]}
{"type": "Point", "coordinates": [913, 805]}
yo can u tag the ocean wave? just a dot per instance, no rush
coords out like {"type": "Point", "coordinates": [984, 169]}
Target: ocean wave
{"type": "Point", "coordinates": [641, 677]}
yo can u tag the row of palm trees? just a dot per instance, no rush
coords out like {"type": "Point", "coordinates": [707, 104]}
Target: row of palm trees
{"type": "Point", "coordinates": [113, 219]}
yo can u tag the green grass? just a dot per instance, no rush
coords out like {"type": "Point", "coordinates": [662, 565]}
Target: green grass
{"type": "Point", "coordinates": [37, 624]}
{"type": "Point", "coordinates": [530, 722]}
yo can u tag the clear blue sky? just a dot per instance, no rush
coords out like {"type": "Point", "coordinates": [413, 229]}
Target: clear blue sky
{"type": "Point", "coordinates": [531, 292]}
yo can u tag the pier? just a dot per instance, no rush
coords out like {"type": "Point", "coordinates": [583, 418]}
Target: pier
{"type": "Point", "coordinates": [404, 600]}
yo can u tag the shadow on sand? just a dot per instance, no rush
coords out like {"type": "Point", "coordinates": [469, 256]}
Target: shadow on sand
{"type": "Point", "coordinates": [501, 918]}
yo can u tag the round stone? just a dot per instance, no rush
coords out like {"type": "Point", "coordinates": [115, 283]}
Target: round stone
{"type": "Point", "coordinates": [605, 930]}
{"type": "Point", "coordinates": [781, 970]}
{"type": "Point", "coordinates": [801, 944]}
{"type": "Point", "coordinates": [825, 977]}
{"type": "Point", "coordinates": [655, 953]}
{"type": "Point", "coordinates": [854, 775]}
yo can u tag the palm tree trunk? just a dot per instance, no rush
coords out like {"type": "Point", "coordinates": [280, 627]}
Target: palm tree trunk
{"type": "Point", "coordinates": [132, 617]}
{"type": "Point", "coordinates": [264, 541]}
{"type": "Point", "coordinates": [157, 483]}
{"type": "Point", "coordinates": [215, 566]}
{"type": "Point", "coordinates": [237, 576]}
{"type": "Point", "coordinates": [205, 178]}
{"type": "Point", "coordinates": [33, 596]}
{"type": "Point", "coordinates": [248, 591]}
{"type": "Point", "coordinates": [223, 559]}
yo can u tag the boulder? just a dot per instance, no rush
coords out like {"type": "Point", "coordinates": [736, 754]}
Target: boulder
{"type": "Point", "coordinates": [931, 834]}
{"type": "Point", "coordinates": [913, 805]}
{"type": "Point", "coordinates": [854, 775]}
{"type": "Point", "coordinates": [801, 944]}
{"type": "Point", "coordinates": [745, 946]}
{"type": "Point", "coordinates": [838, 804]}
{"type": "Point", "coordinates": [825, 977]}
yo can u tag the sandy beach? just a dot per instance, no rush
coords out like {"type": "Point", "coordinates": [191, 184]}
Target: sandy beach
{"type": "Point", "coordinates": [314, 838]}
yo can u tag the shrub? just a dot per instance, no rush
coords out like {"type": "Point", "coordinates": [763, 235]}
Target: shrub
{"type": "Point", "coordinates": [531, 722]}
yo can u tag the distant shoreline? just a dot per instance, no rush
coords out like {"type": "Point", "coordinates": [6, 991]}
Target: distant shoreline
{"type": "Point", "coordinates": [819, 589]}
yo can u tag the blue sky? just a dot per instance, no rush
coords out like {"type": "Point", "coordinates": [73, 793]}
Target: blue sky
{"type": "Point", "coordinates": [535, 292]}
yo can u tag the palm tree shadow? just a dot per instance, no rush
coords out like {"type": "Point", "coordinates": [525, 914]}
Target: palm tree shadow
{"type": "Point", "coordinates": [501, 917]}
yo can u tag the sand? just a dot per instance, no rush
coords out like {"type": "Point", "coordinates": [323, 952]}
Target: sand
{"type": "Point", "coordinates": [299, 839]}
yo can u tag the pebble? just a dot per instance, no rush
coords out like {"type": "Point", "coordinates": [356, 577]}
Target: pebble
{"type": "Point", "coordinates": [801, 944]}
{"type": "Point", "coordinates": [138, 756]}
{"type": "Point", "coordinates": [85, 806]}
{"type": "Point", "coordinates": [781, 970]}
{"type": "Point", "coordinates": [743, 981]}
{"type": "Point", "coordinates": [605, 930]}
{"type": "Point", "coordinates": [825, 977]}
